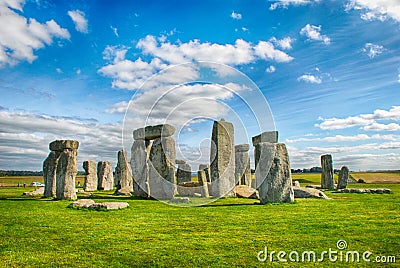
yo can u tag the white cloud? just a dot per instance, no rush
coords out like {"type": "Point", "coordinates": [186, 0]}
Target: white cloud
{"type": "Point", "coordinates": [270, 69]}
{"type": "Point", "coordinates": [376, 10]}
{"type": "Point", "coordinates": [342, 138]}
{"type": "Point", "coordinates": [382, 127]}
{"type": "Point", "coordinates": [115, 30]}
{"type": "Point", "coordinates": [118, 108]}
{"type": "Point", "coordinates": [313, 33]}
{"type": "Point", "coordinates": [58, 70]}
{"type": "Point", "coordinates": [266, 51]}
{"type": "Point", "coordinates": [236, 16]}
{"type": "Point", "coordinates": [129, 74]}
{"type": "Point", "coordinates": [287, 3]}
{"type": "Point", "coordinates": [310, 79]}
{"type": "Point", "coordinates": [78, 17]}
{"type": "Point", "coordinates": [366, 120]}
{"type": "Point", "coordinates": [372, 50]}
{"type": "Point", "coordinates": [23, 36]}
{"type": "Point", "coordinates": [25, 137]}
{"type": "Point", "coordinates": [285, 43]}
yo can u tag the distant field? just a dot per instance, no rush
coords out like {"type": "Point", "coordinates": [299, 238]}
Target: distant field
{"type": "Point", "coordinates": [14, 180]}
{"type": "Point", "coordinates": [377, 177]}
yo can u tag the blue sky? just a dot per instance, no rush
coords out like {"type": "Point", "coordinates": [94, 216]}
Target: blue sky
{"type": "Point", "coordinates": [329, 71]}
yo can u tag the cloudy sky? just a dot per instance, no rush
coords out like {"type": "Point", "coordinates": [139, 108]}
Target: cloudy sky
{"type": "Point", "coordinates": [328, 71]}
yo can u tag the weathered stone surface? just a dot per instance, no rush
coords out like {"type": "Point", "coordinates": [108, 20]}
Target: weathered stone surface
{"type": "Point", "coordinates": [222, 159]}
{"type": "Point", "coordinates": [201, 174]}
{"type": "Point", "coordinates": [109, 205]}
{"type": "Point", "coordinates": [38, 191]}
{"type": "Point", "coordinates": [242, 165]}
{"type": "Point", "coordinates": [105, 176]}
{"type": "Point", "coordinates": [123, 172]}
{"type": "Point", "coordinates": [178, 162]}
{"type": "Point", "coordinates": [275, 183]}
{"type": "Point", "coordinates": [61, 145]}
{"type": "Point", "coordinates": [343, 178]}
{"type": "Point", "coordinates": [242, 147]}
{"type": "Point", "coordinates": [184, 173]}
{"type": "Point", "coordinates": [139, 167]}
{"type": "Point", "coordinates": [366, 191]}
{"type": "Point", "coordinates": [296, 184]}
{"type": "Point", "coordinates": [83, 203]}
{"type": "Point", "coordinates": [50, 174]}
{"type": "Point", "coordinates": [67, 168]}
{"type": "Point", "coordinates": [268, 136]}
{"type": "Point", "coordinates": [161, 166]}
{"type": "Point", "coordinates": [153, 132]}
{"type": "Point", "coordinates": [124, 191]}
{"type": "Point", "coordinates": [206, 168]}
{"type": "Point", "coordinates": [300, 192]}
{"type": "Point", "coordinates": [244, 191]}
{"type": "Point", "coordinates": [327, 181]}
{"type": "Point", "coordinates": [189, 191]}
{"type": "Point", "coordinates": [91, 181]}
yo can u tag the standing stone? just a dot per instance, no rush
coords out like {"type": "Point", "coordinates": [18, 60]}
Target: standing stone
{"type": "Point", "coordinates": [50, 174]}
{"type": "Point", "coordinates": [242, 165]}
{"type": "Point", "coordinates": [90, 176]}
{"type": "Point", "coordinates": [273, 173]}
{"type": "Point", "coordinates": [206, 168]}
{"type": "Point", "coordinates": [327, 181]}
{"type": "Point", "coordinates": [343, 178]}
{"type": "Point", "coordinates": [67, 169]}
{"type": "Point", "coordinates": [201, 174]}
{"type": "Point", "coordinates": [184, 173]}
{"type": "Point", "coordinates": [223, 165]}
{"type": "Point", "coordinates": [161, 166]}
{"type": "Point", "coordinates": [105, 176]}
{"type": "Point", "coordinates": [139, 165]}
{"type": "Point", "coordinates": [123, 172]}
{"type": "Point", "coordinates": [60, 169]}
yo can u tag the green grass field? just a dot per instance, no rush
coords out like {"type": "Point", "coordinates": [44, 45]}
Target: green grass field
{"type": "Point", "coordinates": [37, 232]}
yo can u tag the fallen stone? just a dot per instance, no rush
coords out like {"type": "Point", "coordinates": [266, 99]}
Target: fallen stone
{"type": "Point", "coordinates": [269, 136]}
{"type": "Point", "coordinates": [38, 191]}
{"type": "Point", "coordinates": [153, 132]}
{"type": "Point", "coordinates": [244, 191]}
{"type": "Point", "coordinates": [109, 205]}
{"type": "Point", "coordinates": [83, 203]}
{"type": "Point", "coordinates": [366, 191]}
{"type": "Point", "coordinates": [180, 200]}
{"type": "Point", "coordinates": [124, 191]}
{"type": "Point", "coordinates": [300, 192]}
{"type": "Point", "coordinates": [296, 184]}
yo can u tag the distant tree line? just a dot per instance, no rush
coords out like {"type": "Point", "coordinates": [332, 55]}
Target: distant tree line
{"type": "Point", "coordinates": [310, 170]}
{"type": "Point", "coordinates": [6, 173]}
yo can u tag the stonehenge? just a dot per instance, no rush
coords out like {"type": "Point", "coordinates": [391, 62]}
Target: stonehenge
{"type": "Point", "coordinates": [105, 176]}
{"type": "Point", "coordinates": [201, 174]}
{"type": "Point", "coordinates": [60, 169]}
{"type": "Point", "coordinates": [327, 181]}
{"type": "Point", "coordinates": [153, 162]}
{"type": "Point", "coordinates": [242, 165]}
{"type": "Point", "coordinates": [222, 159]}
{"type": "Point", "coordinates": [206, 168]}
{"type": "Point", "coordinates": [91, 180]}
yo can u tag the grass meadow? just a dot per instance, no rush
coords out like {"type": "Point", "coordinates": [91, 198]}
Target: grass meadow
{"type": "Point", "coordinates": [40, 232]}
